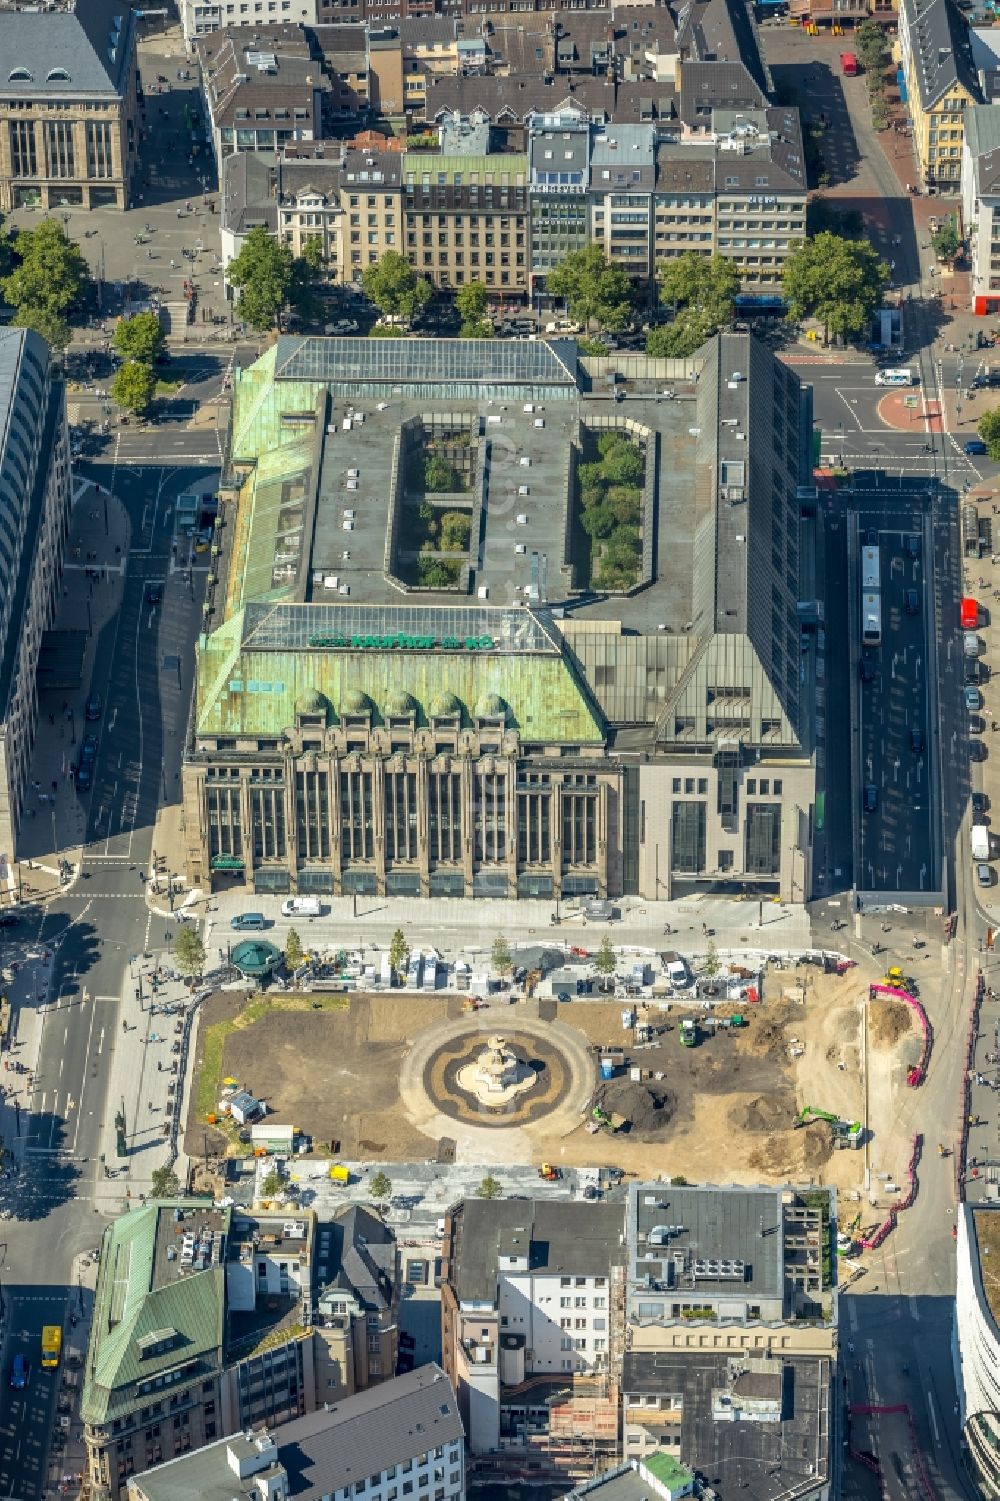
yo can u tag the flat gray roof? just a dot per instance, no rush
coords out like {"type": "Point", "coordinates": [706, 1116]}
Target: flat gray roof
{"type": "Point", "coordinates": [575, 1239]}
{"type": "Point", "coordinates": [707, 1226]}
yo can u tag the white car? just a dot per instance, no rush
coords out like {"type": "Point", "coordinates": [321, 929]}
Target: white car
{"type": "Point", "coordinates": [342, 326]}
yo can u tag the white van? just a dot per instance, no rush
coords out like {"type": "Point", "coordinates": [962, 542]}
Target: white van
{"type": "Point", "coordinates": [301, 906]}
{"type": "Point", "coordinates": [904, 377]}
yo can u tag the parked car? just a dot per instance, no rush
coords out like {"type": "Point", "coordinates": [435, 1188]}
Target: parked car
{"type": "Point", "coordinates": [20, 1372]}
{"type": "Point", "coordinates": [88, 750]}
{"type": "Point", "coordinates": [984, 875]}
{"type": "Point", "coordinates": [980, 803]}
{"type": "Point", "coordinates": [974, 446]}
{"type": "Point", "coordinates": [342, 326]}
{"type": "Point", "coordinates": [244, 921]}
{"type": "Point", "coordinates": [84, 776]}
{"type": "Point", "coordinates": [973, 699]}
{"type": "Point", "coordinates": [95, 707]}
{"type": "Point", "coordinates": [870, 797]}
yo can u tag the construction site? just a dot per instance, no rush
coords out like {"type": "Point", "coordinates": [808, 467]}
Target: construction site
{"type": "Point", "coordinates": [812, 1082]}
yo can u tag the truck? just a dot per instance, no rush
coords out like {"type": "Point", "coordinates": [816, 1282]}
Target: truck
{"type": "Point", "coordinates": [980, 842]}
{"type": "Point", "coordinates": [969, 613]}
{"type": "Point", "coordinates": [687, 1032]}
{"type": "Point", "coordinates": [871, 618]}
{"type": "Point", "coordinates": [430, 970]}
{"type": "Point", "coordinates": [51, 1346]}
{"type": "Point", "coordinates": [849, 64]}
{"type": "Point", "coordinates": [870, 576]}
{"type": "Point", "coordinates": [339, 1174]}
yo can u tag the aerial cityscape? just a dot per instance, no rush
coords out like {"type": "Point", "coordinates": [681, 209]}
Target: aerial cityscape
{"type": "Point", "coordinates": [498, 883]}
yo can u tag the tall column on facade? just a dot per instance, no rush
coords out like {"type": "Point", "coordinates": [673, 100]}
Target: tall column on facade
{"type": "Point", "coordinates": [291, 823]}
{"type": "Point", "coordinates": [423, 826]}
{"type": "Point", "coordinates": [333, 813]}
{"type": "Point", "coordinates": [246, 826]}
{"type": "Point", "coordinates": [378, 821]}
{"type": "Point", "coordinates": [510, 827]}
{"type": "Point", "coordinates": [468, 820]}
{"type": "Point", "coordinates": [601, 832]}
{"type": "Point", "coordinates": [557, 844]}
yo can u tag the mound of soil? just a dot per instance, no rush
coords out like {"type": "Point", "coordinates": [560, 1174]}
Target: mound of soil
{"type": "Point", "coordinates": [888, 1021]}
{"type": "Point", "coordinates": [765, 1114]}
{"type": "Point", "coordinates": [649, 1107]}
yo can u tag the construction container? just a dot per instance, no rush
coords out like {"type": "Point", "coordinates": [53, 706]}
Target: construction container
{"type": "Point", "coordinates": [607, 1068]}
{"type": "Point", "coordinates": [339, 1173]}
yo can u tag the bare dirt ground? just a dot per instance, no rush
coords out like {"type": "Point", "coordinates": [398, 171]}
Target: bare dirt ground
{"type": "Point", "coordinates": [724, 1109]}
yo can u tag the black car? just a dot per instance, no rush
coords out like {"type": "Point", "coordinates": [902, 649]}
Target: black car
{"type": "Point", "coordinates": [866, 670]}
{"type": "Point", "coordinates": [154, 593]}
{"type": "Point", "coordinates": [88, 750]}
{"type": "Point", "coordinates": [913, 545]}
{"type": "Point", "coordinates": [9, 919]}
{"type": "Point", "coordinates": [911, 602]}
{"type": "Point", "coordinates": [980, 803]}
{"type": "Point", "coordinates": [870, 798]}
{"type": "Point", "coordinates": [916, 740]}
{"type": "Point", "coordinates": [95, 707]}
{"type": "Point", "coordinates": [84, 776]}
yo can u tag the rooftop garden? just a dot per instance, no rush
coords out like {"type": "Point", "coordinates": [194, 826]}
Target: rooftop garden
{"type": "Point", "coordinates": [607, 539]}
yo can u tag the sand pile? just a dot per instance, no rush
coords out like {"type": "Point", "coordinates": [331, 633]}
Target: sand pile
{"type": "Point", "coordinates": [888, 1021]}
{"type": "Point", "coordinates": [765, 1114]}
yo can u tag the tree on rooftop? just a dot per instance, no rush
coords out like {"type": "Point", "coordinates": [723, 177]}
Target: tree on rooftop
{"type": "Point", "coordinates": [593, 290]}
{"type": "Point", "coordinates": [838, 281]}
{"type": "Point", "coordinates": [262, 274]}
{"type": "Point", "coordinates": [272, 1184]}
{"type": "Point", "coordinates": [395, 288]}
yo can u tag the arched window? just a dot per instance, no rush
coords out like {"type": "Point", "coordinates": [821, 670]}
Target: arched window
{"type": "Point", "coordinates": [19, 75]}
{"type": "Point", "coordinates": [57, 75]}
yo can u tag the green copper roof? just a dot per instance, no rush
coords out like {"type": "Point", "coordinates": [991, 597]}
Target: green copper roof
{"type": "Point", "coordinates": [249, 692]}
{"type": "Point", "coordinates": [138, 1298]}
{"type": "Point", "coordinates": [442, 169]}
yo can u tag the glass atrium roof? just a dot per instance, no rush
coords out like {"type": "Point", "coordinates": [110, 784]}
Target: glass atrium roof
{"type": "Point", "coordinates": [432, 361]}
{"type": "Point", "coordinates": [297, 627]}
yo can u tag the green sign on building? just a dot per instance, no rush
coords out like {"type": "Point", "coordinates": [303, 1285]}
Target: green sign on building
{"type": "Point", "coordinates": [398, 641]}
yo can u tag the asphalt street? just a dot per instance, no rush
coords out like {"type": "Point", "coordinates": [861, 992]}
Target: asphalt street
{"type": "Point", "coordinates": [90, 931]}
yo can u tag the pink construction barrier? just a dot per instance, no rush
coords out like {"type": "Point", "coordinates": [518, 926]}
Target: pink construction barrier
{"type": "Point", "coordinates": [918, 1073]}
{"type": "Point", "coordinates": [966, 1101]}
{"type": "Point", "coordinates": [888, 1225]}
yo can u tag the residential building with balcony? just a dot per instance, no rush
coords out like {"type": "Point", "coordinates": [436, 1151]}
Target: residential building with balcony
{"type": "Point", "coordinates": [622, 179]}
{"type": "Point", "coordinates": [402, 1439]}
{"type": "Point", "coordinates": [70, 104]}
{"type": "Point", "coordinates": [531, 1326]}
{"type": "Point", "coordinates": [941, 85]}
{"type": "Point", "coordinates": [558, 188]}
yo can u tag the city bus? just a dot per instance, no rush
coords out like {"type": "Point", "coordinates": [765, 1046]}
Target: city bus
{"type": "Point", "coordinates": [871, 619]}
{"type": "Point", "coordinates": [51, 1346]}
{"type": "Point", "coordinates": [870, 575]}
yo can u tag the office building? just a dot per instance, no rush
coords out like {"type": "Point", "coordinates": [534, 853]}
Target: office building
{"type": "Point", "coordinates": [404, 1439]}
{"type": "Point", "coordinates": [356, 1298]}
{"type": "Point", "coordinates": [731, 1314]}
{"type": "Point", "coordinates": [202, 1327]}
{"type": "Point", "coordinates": [558, 184]}
{"type": "Point", "coordinates": [69, 116]}
{"type": "Point", "coordinates": [658, 1475]}
{"type": "Point", "coordinates": [977, 1342]}
{"type": "Point", "coordinates": [981, 205]}
{"type": "Point", "coordinates": [199, 18]}
{"type": "Point", "coordinates": [531, 1332]}
{"type": "Point", "coordinates": [35, 499]}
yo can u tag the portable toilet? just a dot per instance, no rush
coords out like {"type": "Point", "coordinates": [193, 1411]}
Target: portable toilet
{"type": "Point", "coordinates": [607, 1068]}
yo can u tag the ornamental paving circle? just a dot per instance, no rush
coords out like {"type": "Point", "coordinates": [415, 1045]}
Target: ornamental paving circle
{"type": "Point", "coordinates": [560, 1057]}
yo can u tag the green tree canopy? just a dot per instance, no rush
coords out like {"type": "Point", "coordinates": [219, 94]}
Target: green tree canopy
{"type": "Point", "coordinates": [189, 950]}
{"type": "Point", "coordinates": [395, 288]}
{"type": "Point", "coordinates": [312, 253]}
{"type": "Point", "coordinates": [482, 328]}
{"type": "Point", "coordinates": [51, 274]}
{"type": "Point", "coordinates": [489, 1188]}
{"type": "Point", "coordinates": [593, 289]}
{"type": "Point", "coordinates": [53, 328]}
{"type": "Point", "coordinates": [399, 951]}
{"type": "Point", "coordinates": [262, 274]}
{"type": "Point", "coordinates": [869, 43]}
{"type": "Point", "coordinates": [988, 428]}
{"type": "Point", "coordinates": [164, 1183]}
{"type": "Point", "coordinates": [605, 961]}
{"type": "Point", "coordinates": [272, 1184]}
{"type": "Point", "coordinates": [140, 338]}
{"type": "Point", "coordinates": [380, 1188]}
{"type": "Point", "coordinates": [133, 386]}
{"type": "Point", "coordinates": [501, 956]}
{"type": "Point", "coordinates": [439, 476]}
{"type": "Point", "coordinates": [294, 952]}
{"type": "Point", "coordinates": [471, 302]}
{"type": "Point", "coordinates": [946, 240]}
{"type": "Point", "coordinates": [700, 289]}
{"type": "Point", "coordinates": [836, 280]}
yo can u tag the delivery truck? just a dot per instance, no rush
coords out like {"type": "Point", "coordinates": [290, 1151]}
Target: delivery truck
{"type": "Point", "coordinates": [980, 842]}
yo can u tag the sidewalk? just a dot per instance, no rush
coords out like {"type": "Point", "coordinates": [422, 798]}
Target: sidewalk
{"type": "Point", "coordinates": [147, 1082]}
{"type": "Point", "coordinates": [53, 823]}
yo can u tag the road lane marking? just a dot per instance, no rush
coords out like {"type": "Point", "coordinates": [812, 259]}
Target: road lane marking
{"type": "Point", "coordinates": [933, 1418]}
